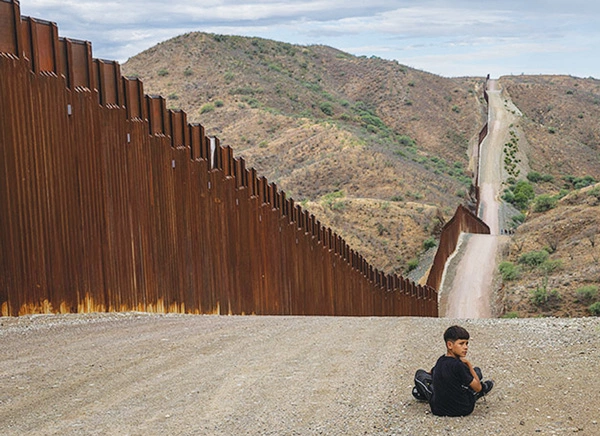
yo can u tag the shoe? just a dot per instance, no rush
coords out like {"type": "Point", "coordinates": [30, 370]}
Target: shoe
{"type": "Point", "coordinates": [417, 394]}
{"type": "Point", "coordinates": [486, 387]}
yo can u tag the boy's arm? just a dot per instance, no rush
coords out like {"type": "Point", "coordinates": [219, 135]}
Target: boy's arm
{"type": "Point", "coordinates": [476, 383]}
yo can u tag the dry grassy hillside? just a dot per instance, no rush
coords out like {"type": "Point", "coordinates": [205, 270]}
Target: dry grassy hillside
{"type": "Point", "coordinates": [378, 151]}
{"type": "Point", "coordinates": [561, 116]}
{"type": "Point", "coordinates": [552, 265]}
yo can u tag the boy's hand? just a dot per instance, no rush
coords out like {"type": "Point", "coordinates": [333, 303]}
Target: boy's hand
{"type": "Point", "coordinates": [476, 383]}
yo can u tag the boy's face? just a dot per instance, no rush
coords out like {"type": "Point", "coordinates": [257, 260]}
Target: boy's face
{"type": "Point", "coordinates": [458, 348]}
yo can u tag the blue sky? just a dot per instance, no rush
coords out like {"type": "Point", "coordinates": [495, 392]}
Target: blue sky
{"type": "Point", "coordinates": [446, 37]}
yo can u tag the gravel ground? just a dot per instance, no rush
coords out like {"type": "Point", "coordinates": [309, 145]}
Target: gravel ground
{"type": "Point", "coordinates": [142, 374]}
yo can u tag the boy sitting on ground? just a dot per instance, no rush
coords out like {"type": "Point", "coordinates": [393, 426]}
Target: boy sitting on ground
{"type": "Point", "coordinates": [454, 385]}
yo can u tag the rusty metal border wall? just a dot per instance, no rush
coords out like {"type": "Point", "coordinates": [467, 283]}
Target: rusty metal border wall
{"type": "Point", "coordinates": [464, 220]}
{"type": "Point", "coordinates": [111, 202]}
{"type": "Point", "coordinates": [482, 135]}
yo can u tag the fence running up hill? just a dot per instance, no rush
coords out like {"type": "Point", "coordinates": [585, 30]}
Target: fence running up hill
{"type": "Point", "coordinates": [110, 202]}
{"type": "Point", "coordinates": [464, 219]}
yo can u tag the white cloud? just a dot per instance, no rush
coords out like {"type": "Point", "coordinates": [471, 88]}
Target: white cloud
{"type": "Point", "coordinates": [440, 36]}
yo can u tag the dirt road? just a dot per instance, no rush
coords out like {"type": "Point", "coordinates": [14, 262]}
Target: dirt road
{"type": "Point", "coordinates": [468, 281]}
{"type": "Point", "coordinates": [141, 374]}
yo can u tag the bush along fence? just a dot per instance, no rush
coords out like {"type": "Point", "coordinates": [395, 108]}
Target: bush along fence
{"type": "Point", "coordinates": [111, 202]}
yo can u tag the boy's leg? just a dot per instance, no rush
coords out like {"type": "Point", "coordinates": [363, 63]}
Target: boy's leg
{"type": "Point", "coordinates": [486, 386]}
{"type": "Point", "coordinates": [423, 389]}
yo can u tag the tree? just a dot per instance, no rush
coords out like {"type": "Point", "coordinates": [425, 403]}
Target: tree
{"type": "Point", "coordinates": [523, 194]}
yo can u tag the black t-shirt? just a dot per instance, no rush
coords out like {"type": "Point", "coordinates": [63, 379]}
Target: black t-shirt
{"type": "Point", "coordinates": [451, 393]}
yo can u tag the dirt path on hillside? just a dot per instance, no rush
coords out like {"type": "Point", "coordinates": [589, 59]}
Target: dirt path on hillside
{"type": "Point", "coordinates": [468, 282]}
{"type": "Point", "coordinates": [141, 374]}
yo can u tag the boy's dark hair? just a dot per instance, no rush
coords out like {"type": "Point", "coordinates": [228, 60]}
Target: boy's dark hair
{"type": "Point", "coordinates": [455, 333]}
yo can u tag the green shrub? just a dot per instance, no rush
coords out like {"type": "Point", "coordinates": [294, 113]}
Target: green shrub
{"type": "Point", "coordinates": [163, 72]}
{"type": "Point", "coordinates": [508, 196]}
{"type": "Point", "coordinates": [582, 182]}
{"type": "Point", "coordinates": [219, 103]}
{"type": "Point", "coordinates": [372, 120]}
{"type": "Point", "coordinates": [208, 107]}
{"type": "Point", "coordinates": [578, 182]}
{"type": "Point", "coordinates": [326, 108]}
{"type": "Point", "coordinates": [429, 243]}
{"type": "Point", "coordinates": [521, 201]}
{"type": "Point", "coordinates": [509, 271]}
{"type": "Point", "coordinates": [412, 264]}
{"type": "Point", "coordinates": [275, 67]}
{"type": "Point", "coordinates": [510, 315]}
{"type": "Point", "coordinates": [587, 294]}
{"type": "Point", "coordinates": [334, 201]}
{"type": "Point", "coordinates": [534, 176]}
{"type": "Point", "coordinates": [518, 219]}
{"type": "Point", "coordinates": [544, 203]}
{"type": "Point", "coordinates": [543, 298]}
{"type": "Point", "coordinates": [406, 140]}
{"type": "Point", "coordinates": [595, 192]}
{"type": "Point", "coordinates": [534, 258]}
{"type": "Point", "coordinates": [524, 193]}
{"type": "Point", "coordinates": [519, 194]}
{"type": "Point", "coordinates": [188, 72]}
{"type": "Point", "coordinates": [550, 265]}
{"type": "Point", "coordinates": [595, 308]}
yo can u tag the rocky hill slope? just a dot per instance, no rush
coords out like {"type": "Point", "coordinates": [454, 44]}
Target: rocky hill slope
{"type": "Point", "coordinates": [552, 264]}
{"type": "Point", "coordinates": [561, 116]}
